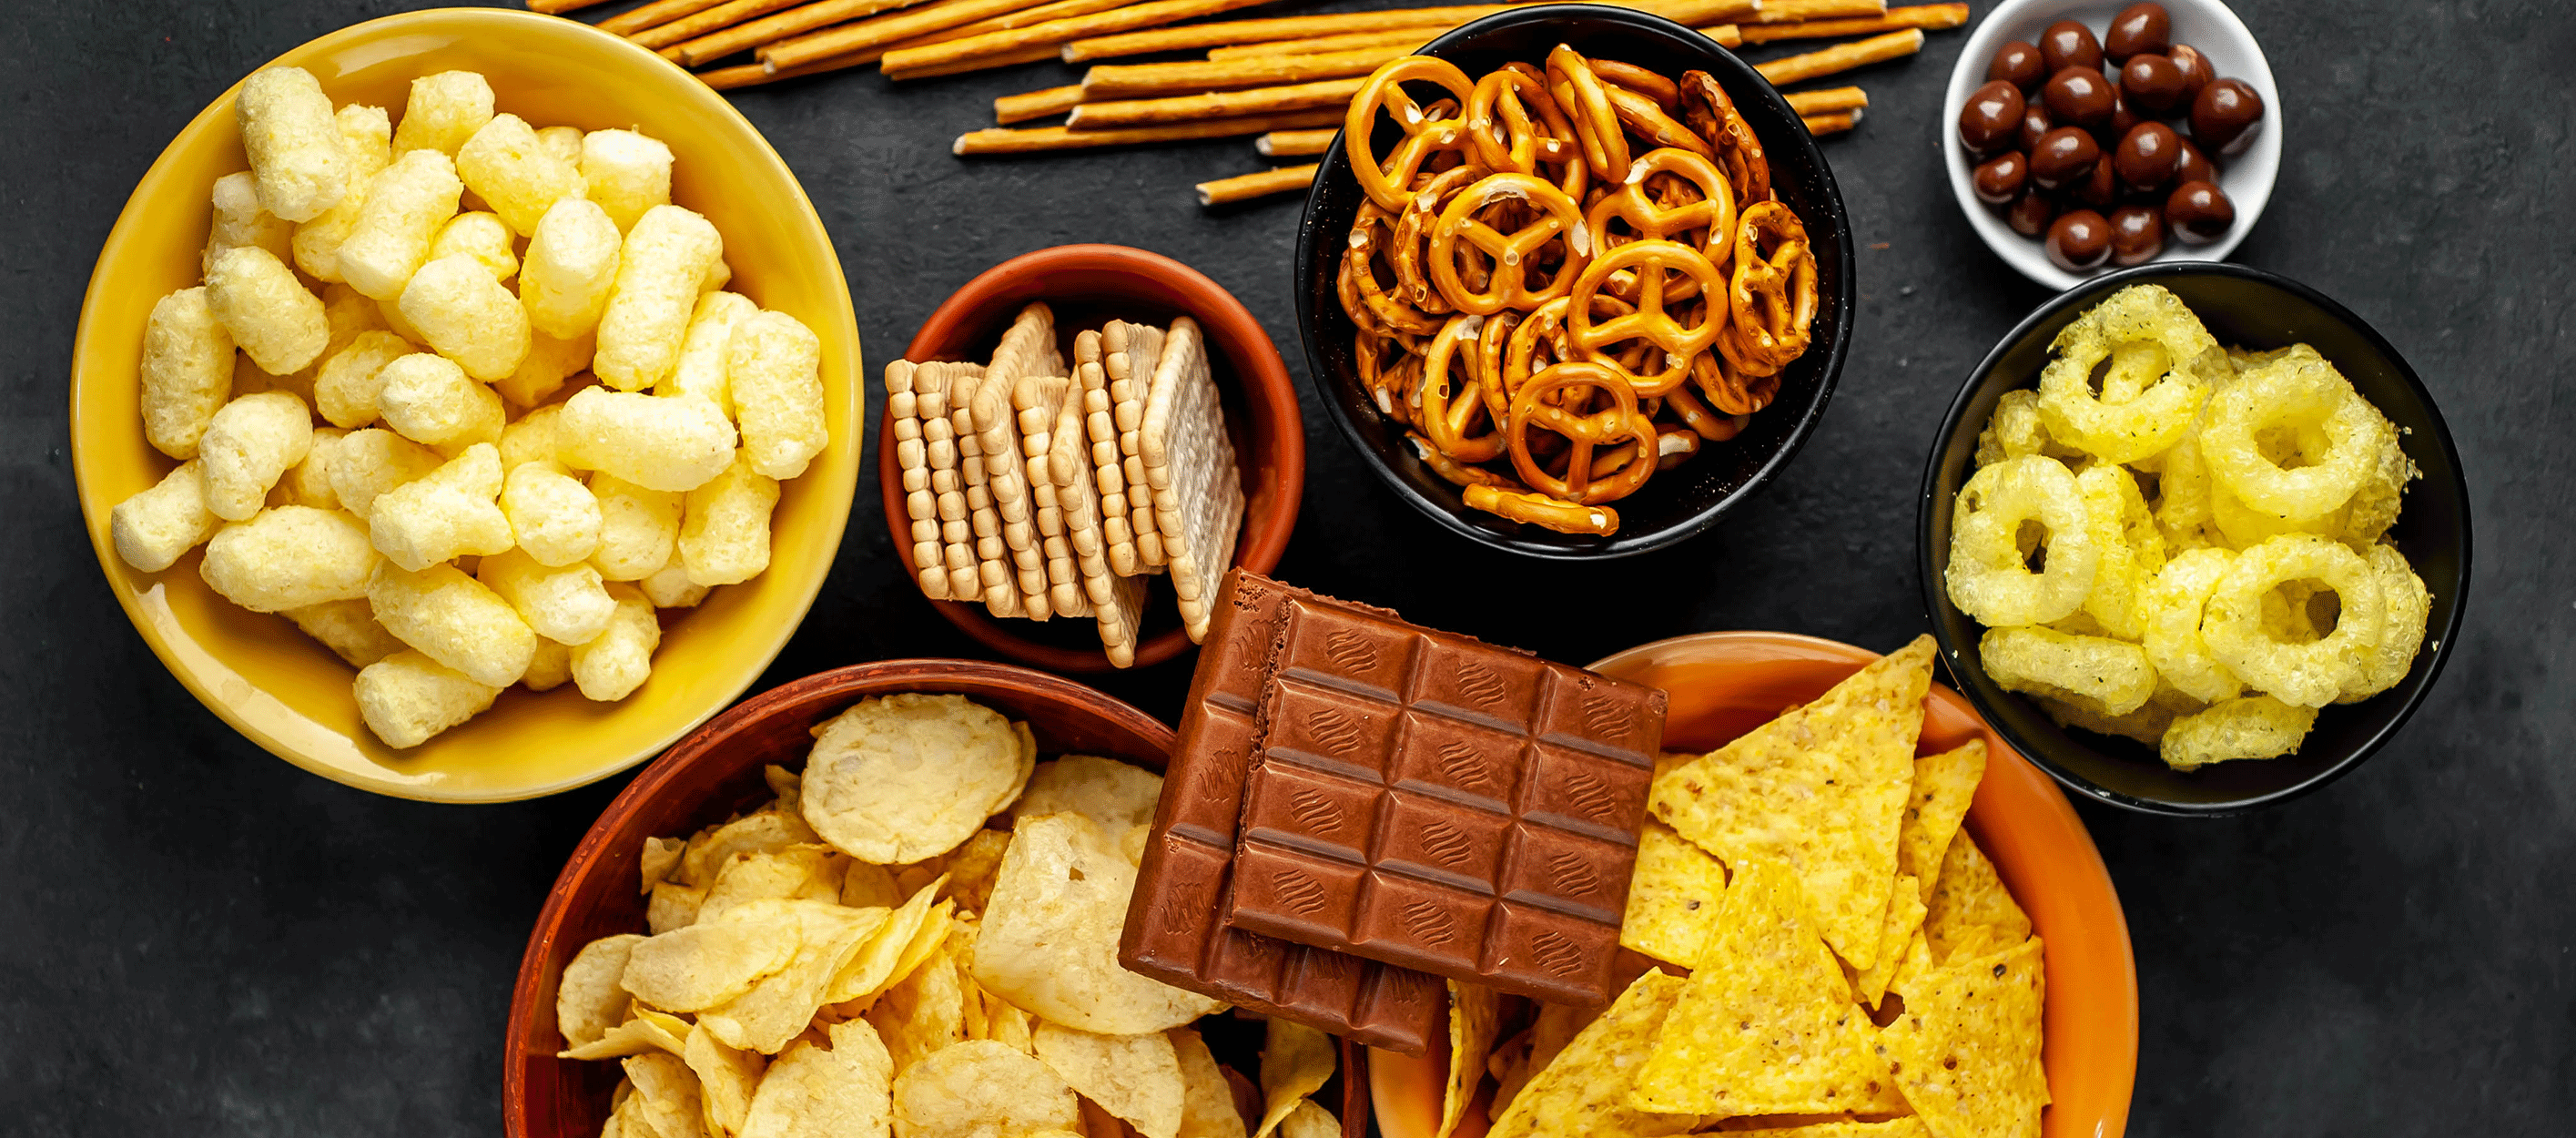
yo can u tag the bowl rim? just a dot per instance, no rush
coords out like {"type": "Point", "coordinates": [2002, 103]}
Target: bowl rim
{"type": "Point", "coordinates": [1928, 568]}
{"type": "Point", "coordinates": [1335, 162]}
{"type": "Point", "coordinates": [469, 22]}
{"type": "Point", "coordinates": [2259, 170]}
{"type": "Point", "coordinates": [1263, 379]}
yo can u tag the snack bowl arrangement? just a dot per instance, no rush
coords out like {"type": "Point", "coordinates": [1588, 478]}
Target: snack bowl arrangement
{"type": "Point", "coordinates": [1686, 495]}
{"type": "Point", "coordinates": [718, 772]}
{"type": "Point", "coordinates": [2206, 25]}
{"type": "Point", "coordinates": [1723, 684]}
{"type": "Point", "coordinates": [1084, 285]}
{"type": "Point", "coordinates": [2257, 311]}
{"type": "Point", "coordinates": [292, 696]}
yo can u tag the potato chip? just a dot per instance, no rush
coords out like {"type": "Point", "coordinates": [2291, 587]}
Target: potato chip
{"type": "Point", "coordinates": [922, 1013]}
{"type": "Point", "coordinates": [1116, 795]}
{"type": "Point", "coordinates": [1309, 1120]}
{"type": "Point", "coordinates": [807, 872]}
{"type": "Point", "coordinates": [873, 969]}
{"type": "Point", "coordinates": [713, 960]}
{"type": "Point", "coordinates": [972, 866]}
{"type": "Point", "coordinates": [588, 1000]}
{"type": "Point", "coordinates": [1969, 910]}
{"type": "Point", "coordinates": [1134, 1077]}
{"type": "Point", "coordinates": [780, 1006]}
{"type": "Point", "coordinates": [1587, 1089]}
{"type": "Point", "coordinates": [1050, 937]}
{"type": "Point", "coordinates": [899, 778]}
{"type": "Point", "coordinates": [657, 859]}
{"type": "Point", "coordinates": [1671, 894]}
{"type": "Point", "coordinates": [981, 1089]}
{"type": "Point", "coordinates": [1007, 1024]}
{"type": "Point", "coordinates": [1207, 1103]}
{"type": "Point", "coordinates": [1475, 1012]}
{"type": "Point", "coordinates": [668, 1092]}
{"type": "Point", "coordinates": [1905, 911]}
{"type": "Point", "coordinates": [762, 831]}
{"type": "Point", "coordinates": [1966, 1051]}
{"type": "Point", "coordinates": [1767, 1024]}
{"type": "Point", "coordinates": [726, 1077]}
{"type": "Point", "coordinates": [868, 886]}
{"type": "Point", "coordinates": [841, 1091]}
{"type": "Point", "coordinates": [1944, 784]}
{"type": "Point", "coordinates": [672, 906]}
{"type": "Point", "coordinates": [1295, 1062]}
{"type": "Point", "coordinates": [1822, 790]}
{"type": "Point", "coordinates": [644, 1032]}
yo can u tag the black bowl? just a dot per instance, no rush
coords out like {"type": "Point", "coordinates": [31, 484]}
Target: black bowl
{"type": "Point", "coordinates": [1676, 503]}
{"type": "Point", "coordinates": [2256, 310]}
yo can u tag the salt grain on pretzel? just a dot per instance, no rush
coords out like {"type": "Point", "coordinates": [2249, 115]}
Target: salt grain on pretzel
{"type": "Point", "coordinates": [1189, 463]}
{"type": "Point", "coordinates": [1130, 353]}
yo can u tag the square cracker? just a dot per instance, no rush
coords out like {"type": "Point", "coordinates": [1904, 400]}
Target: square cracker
{"type": "Point", "coordinates": [1121, 618]}
{"type": "Point", "coordinates": [1077, 497]}
{"type": "Point", "coordinates": [1028, 348]}
{"type": "Point", "coordinates": [1041, 400]}
{"type": "Point", "coordinates": [1130, 355]}
{"type": "Point", "coordinates": [1109, 471]}
{"type": "Point", "coordinates": [1189, 464]}
{"type": "Point", "coordinates": [932, 384]}
{"type": "Point", "coordinates": [997, 584]}
{"type": "Point", "coordinates": [912, 457]}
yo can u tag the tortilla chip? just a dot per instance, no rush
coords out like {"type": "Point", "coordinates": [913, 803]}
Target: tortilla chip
{"type": "Point", "coordinates": [1966, 1051]}
{"type": "Point", "coordinates": [1904, 918]}
{"type": "Point", "coordinates": [1589, 1088]}
{"type": "Point", "coordinates": [1207, 1103]}
{"type": "Point", "coordinates": [1295, 1062]}
{"type": "Point", "coordinates": [1475, 1012]}
{"type": "Point", "coordinates": [1908, 1127]}
{"type": "Point", "coordinates": [1767, 1024]}
{"type": "Point", "coordinates": [1671, 896]}
{"type": "Point", "coordinates": [1970, 911]}
{"type": "Point", "coordinates": [1822, 790]}
{"type": "Point", "coordinates": [1555, 1027]}
{"type": "Point", "coordinates": [1943, 784]}
{"type": "Point", "coordinates": [1911, 968]}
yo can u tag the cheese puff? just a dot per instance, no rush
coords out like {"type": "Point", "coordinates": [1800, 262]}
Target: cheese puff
{"type": "Point", "coordinates": [627, 173]}
{"type": "Point", "coordinates": [724, 531]}
{"type": "Point", "coordinates": [308, 483]}
{"type": "Point", "coordinates": [443, 111]}
{"type": "Point", "coordinates": [293, 143]}
{"type": "Point", "coordinates": [554, 516]}
{"type": "Point", "coordinates": [614, 663]}
{"type": "Point", "coordinates": [348, 387]}
{"type": "Point", "coordinates": [571, 265]}
{"type": "Point", "coordinates": [406, 203]}
{"type": "Point", "coordinates": [510, 168]}
{"type": "Point", "coordinates": [455, 620]}
{"type": "Point", "coordinates": [239, 221]}
{"type": "Point", "coordinates": [481, 236]}
{"type": "Point", "coordinates": [664, 257]}
{"type": "Point", "coordinates": [248, 445]}
{"type": "Point", "coordinates": [669, 587]}
{"type": "Point", "coordinates": [187, 371]}
{"type": "Point", "coordinates": [564, 142]}
{"type": "Point", "coordinates": [564, 603]}
{"type": "Point", "coordinates": [156, 527]}
{"type": "Point", "coordinates": [639, 529]}
{"type": "Point", "coordinates": [531, 437]}
{"type": "Point", "coordinates": [550, 362]}
{"type": "Point", "coordinates": [408, 698]}
{"type": "Point", "coordinates": [349, 313]}
{"type": "Point", "coordinates": [348, 628]}
{"type": "Point", "coordinates": [268, 311]}
{"type": "Point", "coordinates": [701, 370]}
{"type": "Point", "coordinates": [774, 365]}
{"type": "Point", "coordinates": [428, 399]}
{"type": "Point", "coordinates": [366, 144]}
{"type": "Point", "coordinates": [289, 557]}
{"type": "Point", "coordinates": [718, 275]}
{"type": "Point", "coordinates": [447, 513]}
{"type": "Point", "coordinates": [551, 666]}
{"type": "Point", "coordinates": [367, 463]}
{"type": "Point", "coordinates": [250, 379]}
{"type": "Point", "coordinates": [469, 317]}
{"type": "Point", "coordinates": [391, 312]}
{"type": "Point", "coordinates": [678, 443]}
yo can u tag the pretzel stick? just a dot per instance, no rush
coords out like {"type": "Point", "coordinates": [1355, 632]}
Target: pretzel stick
{"type": "Point", "coordinates": [1828, 101]}
{"type": "Point", "coordinates": [1319, 45]}
{"type": "Point", "coordinates": [1036, 104]}
{"type": "Point", "coordinates": [634, 20]}
{"type": "Point", "coordinates": [1835, 123]}
{"type": "Point", "coordinates": [700, 23]}
{"type": "Point", "coordinates": [1796, 11]}
{"type": "Point", "coordinates": [1292, 143]}
{"type": "Point", "coordinates": [1145, 80]}
{"type": "Point", "coordinates": [1279, 28]}
{"type": "Point", "coordinates": [1841, 57]}
{"type": "Point", "coordinates": [1933, 16]}
{"type": "Point", "coordinates": [1030, 54]}
{"type": "Point", "coordinates": [1031, 140]}
{"type": "Point", "coordinates": [1216, 104]}
{"type": "Point", "coordinates": [882, 32]}
{"type": "Point", "coordinates": [553, 7]}
{"type": "Point", "coordinates": [1245, 187]}
{"type": "Point", "coordinates": [1146, 15]}
{"type": "Point", "coordinates": [754, 74]}
{"type": "Point", "coordinates": [1726, 35]}
{"type": "Point", "coordinates": [770, 29]}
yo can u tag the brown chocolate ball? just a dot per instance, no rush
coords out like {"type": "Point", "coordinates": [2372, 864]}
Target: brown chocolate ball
{"type": "Point", "coordinates": [2147, 155]}
{"type": "Point", "coordinates": [2152, 83]}
{"type": "Point", "coordinates": [2068, 43]}
{"type": "Point", "coordinates": [1991, 120]}
{"type": "Point", "coordinates": [2138, 29]}
{"type": "Point", "coordinates": [1999, 181]}
{"type": "Point", "coordinates": [2137, 234]}
{"type": "Point", "coordinates": [2196, 71]}
{"type": "Point", "coordinates": [2018, 63]}
{"type": "Point", "coordinates": [2030, 213]}
{"type": "Point", "coordinates": [2064, 157]}
{"type": "Point", "coordinates": [2079, 241]}
{"type": "Point", "coordinates": [2097, 189]}
{"type": "Point", "coordinates": [2199, 212]}
{"type": "Point", "coordinates": [2194, 165]}
{"type": "Point", "coordinates": [2079, 96]}
{"type": "Point", "coordinates": [2122, 118]}
{"type": "Point", "coordinates": [2225, 116]}
{"type": "Point", "coordinates": [2034, 123]}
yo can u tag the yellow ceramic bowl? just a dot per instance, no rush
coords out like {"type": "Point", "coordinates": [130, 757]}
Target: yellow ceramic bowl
{"type": "Point", "coordinates": [289, 694]}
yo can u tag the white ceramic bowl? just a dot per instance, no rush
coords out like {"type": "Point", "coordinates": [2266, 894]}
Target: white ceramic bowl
{"type": "Point", "coordinates": [2204, 24]}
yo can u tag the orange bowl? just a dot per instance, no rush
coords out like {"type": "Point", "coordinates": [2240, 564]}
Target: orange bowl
{"type": "Point", "coordinates": [1087, 284]}
{"type": "Point", "coordinates": [1724, 684]}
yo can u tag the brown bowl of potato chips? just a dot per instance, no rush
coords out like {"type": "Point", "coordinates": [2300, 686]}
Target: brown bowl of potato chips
{"type": "Point", "coordinates": [888, 894]}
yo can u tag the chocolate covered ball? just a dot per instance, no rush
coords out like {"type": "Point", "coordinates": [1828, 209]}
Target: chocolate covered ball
{"type": "Point", "coordinates": [2018, 63]}
{"type": "Point", "coordinates": [2079, 96]}
{"type": "Point", "coordinates": [2079, 241]}
{"type": "Point", "coordinates": [2137, 234]}
{"type": "Point", "coordinates": [2064, 157]}
{"type": "Point", "coordinates": [2226, 116]}
{"type": "Point", "coordinates": [2000, 180]}
{"type": "Point", "coordinates": [1991, 120]}
{"type": "Point", "coordinates": [2122, 118]}
{"type": "Point", "coordinates": [2068, 43]}
{"type": "Point", "coordinates": [2195, 68]}
{"type": "Point", "coordinates": [2147, 155]}
{"type": "Point", "coordinates": [2199, 212]}
{"type": "Point", "coordinates": [2099, 188]}
{"type": "Point", "coordinates": [2194, 165]}
{"type": "Point", "coordinates": [2034, 123]}
{"type": "Point", "coordinates": [2138, 29]}
{"type": "Point", "coordinates": [2030, 213]}
{"type": "Point", "coordinates": [2152, 83]}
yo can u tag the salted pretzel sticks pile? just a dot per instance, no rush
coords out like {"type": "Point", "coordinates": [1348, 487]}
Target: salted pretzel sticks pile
{"type": "Point", "coordinates": [1567, 279]}
{"type": "Point", "coordinates": [1045, 490]}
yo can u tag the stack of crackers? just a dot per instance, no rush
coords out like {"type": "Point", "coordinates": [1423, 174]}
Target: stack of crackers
{"type": "Point", "coordinates": [1046, 490]}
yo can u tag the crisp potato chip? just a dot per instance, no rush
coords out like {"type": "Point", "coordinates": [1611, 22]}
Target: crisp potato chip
{"type": "Point", "coordinates": [1005, 1023]}
{"type": "Point", "coordinates": [1970, 911]}
{"type": "Point", "coordinates": [1588, 1088]}
{"type": "Point", "coordinates": [1050, 937]}
{"type": "Point", "coordinates": [904, 777]}
{"type": "Point", "coordinates": [784, 783]}
{"type": "Point", "coordinates": [1767, 1024]}
{"type": "Point", "coordinates": [673, 906]}
{"type": "Point", "coordinates": [922, 1013]}
{"type": "Point", "coordinates": [762, 831]}
{"type": "Point", "coordinates": [1821, 790]}
{"type": "Point", "coordinates": [659, 857]}
{"type": "Point", "coordinates": [981, 1089]}
{"type": "Point", "coordinates": [971, 867]}
{"type": "Point", "coordinates": [1908, 1127]}
{"type": "Point", "coordinates": [1943, 785]}
{"type": "Point", "coordinates": [841, 1091]}
{"type": "Point", "coordinates": [865, 886]}
{"type": "Point", "coordinates": [1134, 1077]}
{"type": "Point", "coordinates": [588, 999]}
{"type": "Point", "coordinates": [648, 1030]}
{"type": "Point", "coordinates": [1309, 1120]}
{"type": "Point", "coordinates": [1295, 1062]}
{"type": "Point", "coordinates": [668, 1093]}
{"type": "Point", "coordinates": [1966, 1051]}
{"type": "Point", "coordinates": [1475, 1012]}
{"type": "Point", "coordinates": [810, 872]}
{"type": "Point", "coordinates": [874, 968]}
{"type": "Point", "coordinates": [726, 1078]}
{"type": "Point", "coordinates": [694, 968]}
{"type": "Point", "coordinates": [1116, 795]}
{"type": "Point", "coordinates": [1671, 895]}
{"type": "Point", "coordinates": [784, 1002]}
{"type": "Point", "coordinates": [1905, 911]}
{"type": "Point", "coordinates": [1207, 1103]}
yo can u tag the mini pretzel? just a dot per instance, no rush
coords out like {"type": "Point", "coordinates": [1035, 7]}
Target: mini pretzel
{"type": "Point", "coordinates": [1651, 321]}
{"type": "Point", "coordinates": [1493, 346]}
{"type": "Point", "coordinates": [1503, 134]}
{"type": "Point", "coordinates": [1453, 470]}
{"type": "Point", "coordinates": [1710, 114]}
{"type": "Point", "coordinates": [1620, 422]}
{"type": "Point", "coordinates": [1390, 311]}
{"type": "Point", "coordinates": [1773, 297]}
{"type": "Point", "coordinates": [1666, 93]}
{"type": "Point", "coordinates": [1446, 420]}
{"type": "Point", "coordinates": [1544, 327]}
{"type": "Point", "coordinates": [1580, 93]}
{"type": "Point", "coordinates": [1386, 181]}
{"type": "Point", "coordinates": [1728, 388]}
{"type": "Point", "coordinates": [1648, 121]}
{"type": "Point", "coordinates": [1542, 511]}
{"type": "Point", "coordinates": [1413, 231]}
{"type": "Point", "coordinates": [1660, 219]}
{"type": "Point", "coordinates": [1512, 253]}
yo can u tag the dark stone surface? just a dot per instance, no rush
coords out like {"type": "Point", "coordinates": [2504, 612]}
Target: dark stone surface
{"type": "Point", "coordinates": [199, 939]}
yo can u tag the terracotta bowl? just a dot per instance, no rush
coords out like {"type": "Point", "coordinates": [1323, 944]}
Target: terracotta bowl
{"type": "Point", "coordinates": [714, 773]}
{"type": "Point", "coordinates": [1086, 285]}
{"type": "Point", "coordinates": [1724, 684]}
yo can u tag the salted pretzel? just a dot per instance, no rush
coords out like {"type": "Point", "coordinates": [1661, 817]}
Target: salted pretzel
{"type": "Point", "coordinates": [1456, 472]}
{"type": "Point", "coordinates": [1773, 295]}
{"type": "Point", "coordinates": [1514, 254]}
{"type": "Point", "coordinates": [1360, 261]}
{"type": "Point", "coordinates": [1579, 92]}
{"type": "Point", "coordinates": [1645, 119]}
{"type": "Point", "coordinates": [1538, 406]}
{"type": "Point", "coordinates": [1386, 181]}
{"type": "Point", "coordinates": [1699, 417]}
{"type": "Point", "coordinates": [1726, 386]}
{"type": "Point", "coordinates": [1666, 93]}
{"type": "Point", "coordinates": [1544, 512]}
{"type": "Point", "coordinates": [1708, 111]}
{"type": "Point", "coordinates": [1657, 215]}
{"type": "Point", "coordinates": [1652, 321]}
{"type": "Point", "coordinates": [1448, 414]}
{"type": "Point", "coordinates": [1413, 234]}
{"type": "Point", "coordinates": [1544, 330]}
{"type": "Point", "coordinates": [1493, 346]}
{"type": "Point", "coordinates": [1515, 126]}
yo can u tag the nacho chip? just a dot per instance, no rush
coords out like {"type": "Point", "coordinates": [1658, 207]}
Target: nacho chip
{"type": "Point", "coordinates": [1767, 1024]}
{"type": "Point", "coordinates": [1943, 784]}
{"type": "Point", "coordinates": [666, 1093]}
{"type": "Point", "coordinates": [899, 778]}
{"type": "Point", "coordinates": [1821, 790]}
{"type": "Point", "coordinates": [1115, 794]}
{"type": "Point", "coordinates": [726, 1078]}
{"type": "Point", "coordinates": [1911, 967]}
{"type": "Point", "coordinates": [1475, 1012]}
{"type": "Point", "coordinates": [811, 872]}
{"type": "Point", "coordinates": [1671, 896]}
{"type": "Point", "coordinates": [1050, 936]}
{"type": "Point", "coordinates": [1207, 1103]}
{"type": "Point", "coordinates": [1908, 1127]}
{"type": "Point", "coordinates": [981, 1089]}
{"type": "Point", "coordinates": [922, 1013]}
{"type": "Point", "coordinates": [694, 968]}
{"type": "Point", "coordinates": [1588, 1088]}
{"type": "Point", "coordinates": [1134, 1077]}
{"type": "Point", "coordinates": [841, 1091]}
{"type": "Point", "coordinates": [588, 999]}
{"type": "Point", "coordinates": [875, 969]}
{"type": "Point", "coordinates": [1555, 1026]}
{"type": "Point", "coordinates": [1970, 912]}
{"type": "Point", "coordinates": [780, 1006]}
{"type": "Point", "coordinates": [762, 831]}
{"type": "Point", "coordinates": [646, 1031]}
{"type": "Point", "coordinates": [1904, 918]}
{"type": "Point", "coordinates": [1309, 1120]}
{"type": "Point", "coordinates": [1967, 1050]}
{"type": "Point", "coordinates": [971, 867]}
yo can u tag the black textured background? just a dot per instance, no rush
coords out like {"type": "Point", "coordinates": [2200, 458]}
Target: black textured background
{"type": "Point", "coordinates": [198, 939]}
